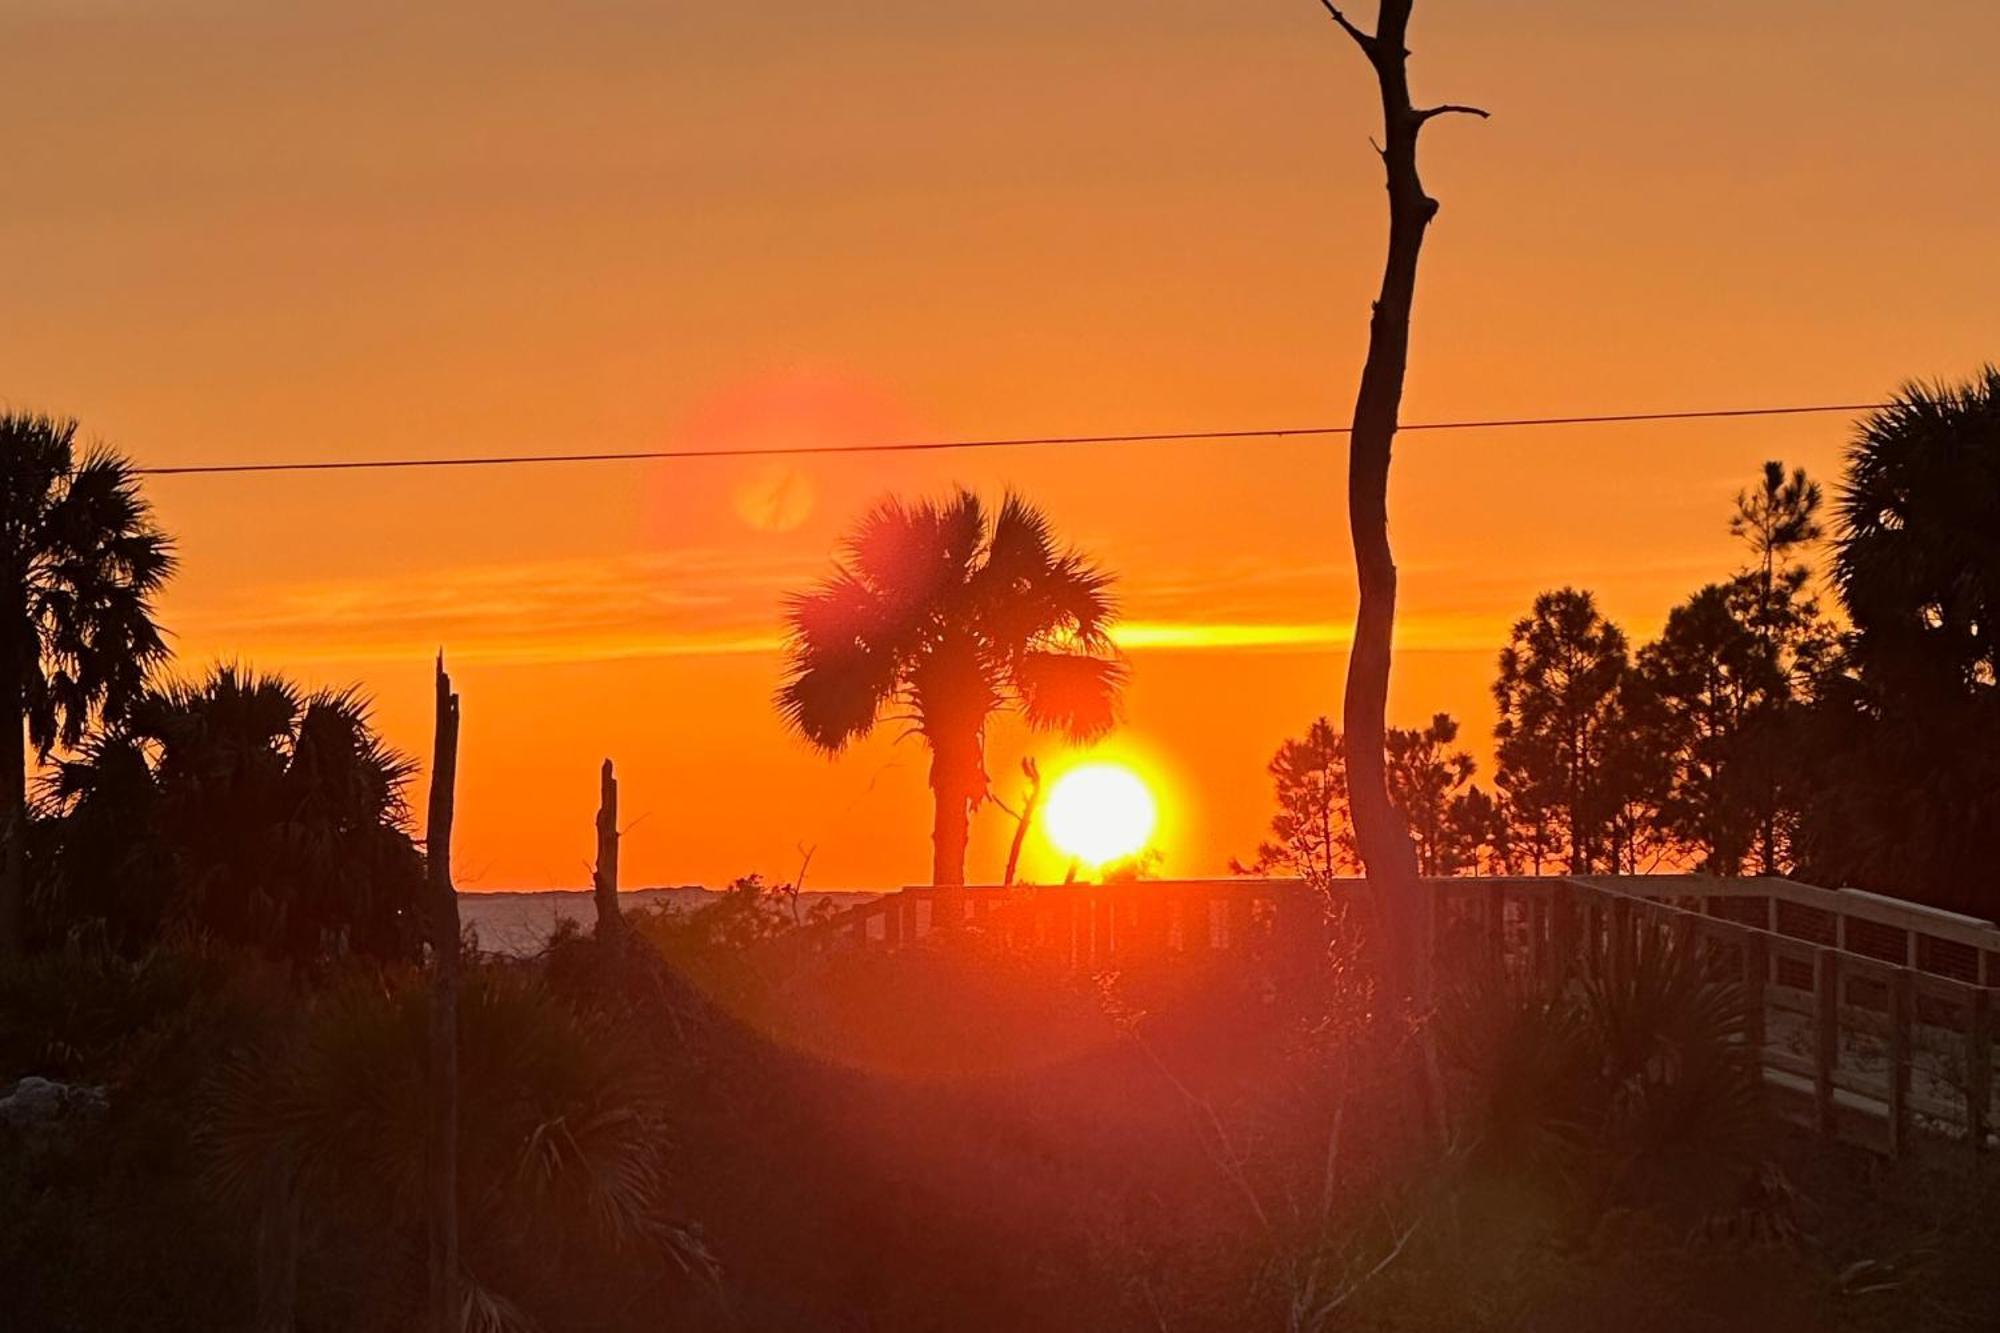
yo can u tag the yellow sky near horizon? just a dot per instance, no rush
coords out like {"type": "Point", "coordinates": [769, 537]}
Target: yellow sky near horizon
{"type": "Point", "coordinates": [238, 231]}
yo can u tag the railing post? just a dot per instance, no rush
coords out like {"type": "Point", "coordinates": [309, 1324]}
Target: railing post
{"type": "Point", "coordinates": [1826, 1033]}
{"type": "Point", "coordinates": [1623, 942]}
{"type": "Point", "coordinates": [1496, 928]}
{"type": "Point", "coordinates": [1901, 1007]}
{"type": "Point", "coordinates": [1756, 976]}
{"type": "Point", "coordinates": [1979, 1066]}
{"type": "Point", "coordinates": [1562, 928]}
{"type": "Point", "coordinates": [1536, 909]}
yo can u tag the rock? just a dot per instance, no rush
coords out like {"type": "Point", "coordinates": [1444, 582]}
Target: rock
{"type": "Point", "coordinates": [36, 1101]}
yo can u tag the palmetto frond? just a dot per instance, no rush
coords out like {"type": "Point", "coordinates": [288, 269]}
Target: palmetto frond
{"type": "Point", "coordinates": [89, 561]}
{"type": "Point", "coordinates": [1030, 595]}
{"type": "Point", "coordinates": [569, 1138]}
{"type": "Point", "coordinates": [1069, 692]}
{"type": "Point", "coordinates": [962, 617]}
{"type": "Point", "coordinates": [1916, 563]}
{"type": "Point", "coordinates": [247, 809]}
{"type": "Point", "coordinates": [846, 648]}
{"type": "Point", "coordinates": [340, 766]}
{"type": "Point", "coordinates": [911, 555]}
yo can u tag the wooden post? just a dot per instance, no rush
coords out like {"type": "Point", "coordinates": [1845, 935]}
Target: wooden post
{"type": "Point", "coordinates": [445, 1305]}
{"type": "Point", "coordinates": [1756, 976]}
{"type": "Point", "coordinates": [1538, 923]}
{"type": "Point", "coordinates": [1563, 931]}
{"type": "Point", "coordinates": [609, 917]}
{"type": "Point", "coordinates": [1901, 1008]}
{"type": "Point", "coordinates": [1496, 928]}
{"type": "Point", "coordinates": [1826, 1034]}
{"type": "Point", "coordinates": [1623, 942]}
{"type": "Point", "coordinates": [1979, 1066]}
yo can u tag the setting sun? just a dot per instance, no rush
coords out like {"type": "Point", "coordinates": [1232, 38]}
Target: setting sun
{"type": "Point", "coordinates": [1101, 812]}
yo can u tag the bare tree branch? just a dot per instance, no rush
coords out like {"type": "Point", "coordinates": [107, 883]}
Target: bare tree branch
{"type": "Point", "coordinates": [1366, 41]}
{"type": "Point", "coordinates": [1450, 108]}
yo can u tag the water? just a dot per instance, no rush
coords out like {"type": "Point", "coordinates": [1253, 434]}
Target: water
{"type": "Point", "coordinates": [518, 924]}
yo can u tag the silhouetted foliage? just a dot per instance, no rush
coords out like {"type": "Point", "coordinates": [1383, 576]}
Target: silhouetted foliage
{"type": "Point", "coordinates": [1715, 679]}
{"type": "Point", "coordinates": [1624, 1083]}
{"type": "Point", "coordinates": [1569, 764]}
{"type": "Point", "coordinates": [565, 1144]}
{"type": "Point", "coordinates": [1426, 782]}
{"type": "Point", "coordinates": [1312, 833]}
{"type": "Point", "coordinates": [1906, 759]}
{"type": "Point", "coordinates": [243, 809]}
{"type": "Point", "coordinates": [80, 561]}
{"type": "Point", "coordinates": [941, 615]}
{"type": "Point", "coordinates": [967, 1134]}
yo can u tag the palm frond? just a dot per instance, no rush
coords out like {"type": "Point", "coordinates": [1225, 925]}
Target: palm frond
{"type": "Point", "coordinates": [845, 650]}
{"type": "Point", "coordinates": [1072, 693]}
{"type": "Point", "coordinates": [94, 564]}
{"type": "Point", "coordinates": [1029, 594]}
{"type": "Point", "coordinates": [913, 555]}
{"type": "Point", "coordinates": [485, 1310]}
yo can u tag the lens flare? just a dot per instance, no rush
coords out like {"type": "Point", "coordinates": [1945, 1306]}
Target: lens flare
{"type": "Point", "coordinates": [1100, 813]}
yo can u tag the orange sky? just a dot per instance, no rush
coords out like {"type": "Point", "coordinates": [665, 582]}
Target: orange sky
{"type": "Point", "coordinates": [237, 230]}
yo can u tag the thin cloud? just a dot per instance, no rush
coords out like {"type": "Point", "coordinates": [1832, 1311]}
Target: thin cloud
{"type": "Point", "coordinates": [702, 603]}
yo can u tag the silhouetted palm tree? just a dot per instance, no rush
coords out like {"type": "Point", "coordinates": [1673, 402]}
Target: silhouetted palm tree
{"type": "Point", "coordinates": [1915, 559]}
{"type": "Point", "coordinates": [80, 561]}
{"type": "Point", "coordinates": [244, 808]}
{"type": "Point", "coordinates": [1905, 785]}
{"type": "Point", "coordinates": [940, 616]}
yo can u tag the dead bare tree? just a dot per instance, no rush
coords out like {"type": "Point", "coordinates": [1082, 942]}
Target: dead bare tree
{"type": "Point", "coordinates": [445, 1303]}
{"type": "Point", "coordinates": [604, 880]}
{"type": "Point", "coordinates": [1404, 915]}
{"type": "Point", "coordinates": [1029, 805]}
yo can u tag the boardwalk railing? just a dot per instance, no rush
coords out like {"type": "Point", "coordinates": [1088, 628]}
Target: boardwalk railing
{"type": "Point", "coordinates": [1872, 1019]}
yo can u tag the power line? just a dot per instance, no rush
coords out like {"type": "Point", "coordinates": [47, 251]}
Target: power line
{"type": "Point", "coordinates": [934, 446]}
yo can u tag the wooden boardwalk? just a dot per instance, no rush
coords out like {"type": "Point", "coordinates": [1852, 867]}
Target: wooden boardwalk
{"type": "Point", "coordinates": [1873, 1018]}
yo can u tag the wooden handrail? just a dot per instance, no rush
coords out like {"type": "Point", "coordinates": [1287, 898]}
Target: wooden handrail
{"type": "Point", "coordinates": [1802, 984]}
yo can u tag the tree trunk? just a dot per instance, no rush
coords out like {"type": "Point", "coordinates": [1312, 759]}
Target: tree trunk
{"type": "Point", "coordinates": [18, 654]}
{"type": "Point", "coordinates": [14, 831]}
{"type": "Point", "coordinates": [445, 1304]}
{"type": "Point", "coordinates": [609, 917]}
{"type": "Point", "coordinates": [956, 782]}
{"type": "Point", "coordinates": [950, 830]}
{"type": "Point", "coordinates": [1403, 912]}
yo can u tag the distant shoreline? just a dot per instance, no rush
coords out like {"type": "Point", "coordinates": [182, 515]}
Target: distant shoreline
{"type": "Point", "coordinates": [655, 888]}
{"type": "Point", "coordinates": [518, 922]}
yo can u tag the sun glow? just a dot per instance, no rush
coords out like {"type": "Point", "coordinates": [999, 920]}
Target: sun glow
{"type": "Point", "coordinates": [1100, 812]}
